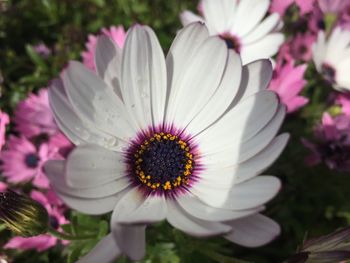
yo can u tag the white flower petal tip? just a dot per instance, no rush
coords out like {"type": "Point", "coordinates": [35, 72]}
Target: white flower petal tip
{"type": "Point", "coordinates": [253, 231]}
{"type": "Point", "coordinates": [332, 57]}
{"type": "Point", "coordinates": [131, 239]}
{"type": "Point", "coordinates": [243, 25]}
{"type": "Point", "coordinates": [136, 209]}
{"type": "Point", "coordinates": [105, 251]}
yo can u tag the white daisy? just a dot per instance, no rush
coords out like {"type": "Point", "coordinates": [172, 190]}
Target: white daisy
{"type": "Point", "coordinates": [332, 57]}
{"type": "Point", "coordinates": [243, 26]}
{"type": "Point", "coordinates": [184, 141]}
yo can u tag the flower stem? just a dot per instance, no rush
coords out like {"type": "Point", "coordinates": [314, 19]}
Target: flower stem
{"type": "Point", "coordinates": [66, 236]}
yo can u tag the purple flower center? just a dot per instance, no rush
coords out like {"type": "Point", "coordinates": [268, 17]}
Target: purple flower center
{"type": "Point", "coordinates": [31, 160]}
{"type": "Point", "coordinates": [328, 73]}
{"type": "Point", "coordinates": [231, 41]}
{"type": "Point", "coordinates": [53, 222]}
{"type": "Point", "coordinates": [161, 162]}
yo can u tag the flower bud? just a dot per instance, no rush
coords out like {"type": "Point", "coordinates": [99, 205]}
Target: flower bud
{"type": "Point", "coordinates": [23, 215]}
{"type": "Point", "coordinates": [334, 247]}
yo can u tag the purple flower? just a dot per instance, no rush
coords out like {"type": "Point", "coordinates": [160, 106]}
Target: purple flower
{"type": "Point", "coordinates": [33, 116]}
{"type": "Point", "coordinates": [280, 6]}
{"type": "Point", "coordinates": [42, 50]}
{"type": "Point", "coordinates": [288, 82]}
{"type": "Point", "coordinates": [299, 47]}
{"type": "Point", "coordinates": [332, 6]}
{"type": "Point", "coordinates": [56, 218]}
{"type": "Point", "coordinates": [343, 99]}
{"type": "Point", "coordinates": [23, 161]}
{"type": "Point", "coordinates": [332, 143]}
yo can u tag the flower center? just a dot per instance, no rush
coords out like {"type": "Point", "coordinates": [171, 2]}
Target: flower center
{"type": "Point", "coordinates": [328, 73]}
{"type": "Point", "coordinates": [53, 222]}
{"type": "Point", "coordinates": [31, 160]}
{"type": "Point", "coordinates": [162, 162]}
{"type": "Point", "coordinates": [231, 41]}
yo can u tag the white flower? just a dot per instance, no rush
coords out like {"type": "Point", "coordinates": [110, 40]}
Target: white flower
{"type": "Point", "coordinates": [181, 139]}
{"type": "Point", "coordinates": [243, 26]}
{"type": "Point", "coordinates": [332, 57]}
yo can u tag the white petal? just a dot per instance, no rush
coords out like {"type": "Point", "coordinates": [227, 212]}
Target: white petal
{"type": "Point", "coordinates": [90, 206]}
{"type": "Point", "coordinates": [249, 13]}
{"type": "Point", "coordinates": [219, 15]}
{"type": "Point", "coordinates": [135, 207]}
{"type": "Point", "coordinates": [187, 17]}
{"type": "Point", "coordinates": [253, 231]}
{"type": "Point", "coordinates": [201, 77]}
{"type": "Point", "coordinates": [68, 121]}
{"type": "Point", "coordinates": [240, 124]}
{"type": "Point", "coordinates": [55, 171]}
{"type": "Point", "coordinates": [179, 219]}
{"type": "Point", "coordinates": [256, 76]}
{"type": "Point", "coordinates": [240, 152]}
{"type": "Point", "coordinates": [106, 251]}
{"type": "Point", "coordinates": [90, 165]}
{"type": "Point", "coordinates": [265, 27]}
{"type": "Point", "coordinates": [236, 174]}
{"type": "Point", "coordinates": [181, 53]}
{"type": "Point", "coordinates": [192, 205]}
{"type": "Point", "coordinates": [264, 48]}
{"type": "Point", "coordinates": [144, 77]}
{"type": "Point", "coordinates": [108, 61]}
{"type": "Point", "coordinates": [222, 98]}
{"type": "Point", "coordinates": [94, 101]}
{"type": "Point", "coordinates": [246, 195]}
{"type": "Point", "coordinates": [131, 239]}
{"type": "Point", "coordinates": [319, 50]}
{"type": "Point", "coordinates": [342, 74]}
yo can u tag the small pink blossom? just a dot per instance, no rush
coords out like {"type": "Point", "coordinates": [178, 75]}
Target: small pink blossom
{"type": "Point", "coordinates": [332, 6]}
{"type": "Point", "coordinates": [42, 50]}
{"type": "Point", "coordinates": [288, 82]}
{"type": "Point", "coordinates": [4, 120]}
{"type": "Point", "coordinates": [315, 21]}
{"type": "Point", "coordinates": [299, 47]}
{"type": "Point", "coordinates": [117, 34]}
{"type": "Point", "coordinates": [23, 161]}
{"type": "Point", "coordinates": [332, 143]}
{"type": "Point", "coordinates": [33, 115]}
{"type": "Point", "coordinates": [280, 6]}
{"type": "Point", "coordinates": [343, 99]}
{"type": "Point", "coordinates": [56, 218]}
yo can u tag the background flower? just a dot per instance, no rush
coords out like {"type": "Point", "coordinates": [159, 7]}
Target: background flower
{"type": "Point", "coordinates": [242, 26]}
{"type": "Point", "coordinates": [288, 82]}
{"type": "Point", "coordinates": [33, 116]}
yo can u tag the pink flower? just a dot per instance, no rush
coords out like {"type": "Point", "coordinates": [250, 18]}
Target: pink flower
{"type": "Point", "coordinates": [4, 120]}
{"type": "Point", "coordinates": [280, 6]}
{"type": "Point", "coordinates": [45, 241]}
{"type": "Point", "coordinates": [299, 47]}
{"type": "Point", "coordinates": [332, 6]}
{"type": "Point", "coordinates": [117, 34]}
{"type": "Point", "coordinates": [42, 50]}
{"type": "Point", "coordinates": [343, 99]}
{"type": "Point", "coordinates": [315, 21]}
{"type": "Point", "coordinates": [288, 82]}
{"type": "Point", "coordinates": [22, 161]}
{"type": "Point", "coordinates": [332, 143]}
{"type": "Point", "coordinates": [33, 115]}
